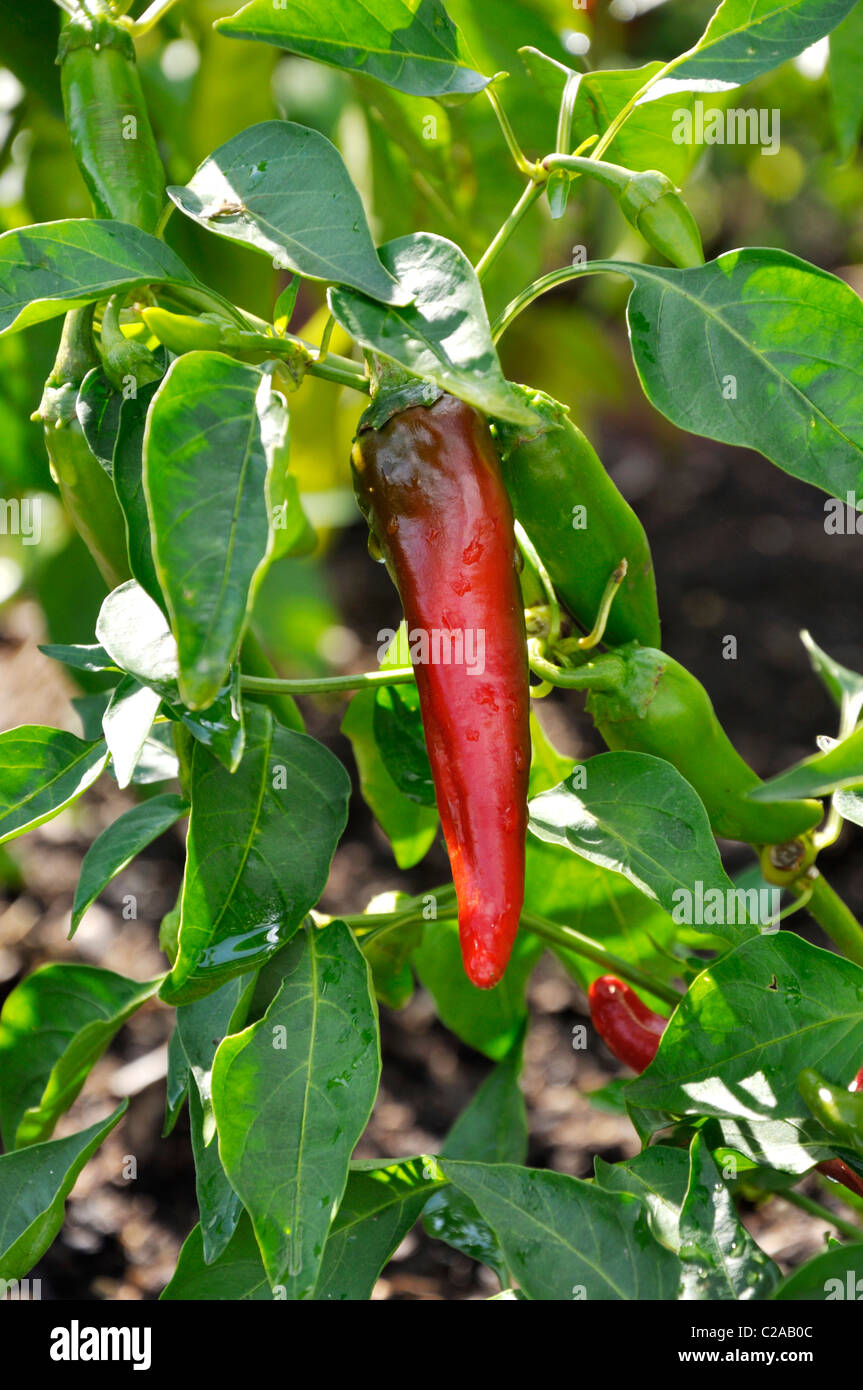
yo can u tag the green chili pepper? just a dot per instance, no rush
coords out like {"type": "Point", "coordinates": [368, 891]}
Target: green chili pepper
{"type": "Point", "coordinates": [85, 488]}
{"type": "Point", "coordinates": [838, 1110]}
{"type": "Point", "coordinates": [650, 203]}
{"type": "Point", "coordinates": [579, 523]}
{"type": "Point", "coordinates": [107, 118]}
{"type": "Point", "coordinates": [643, 700]}
{"type": "Point", "coordinates": [184, 332]}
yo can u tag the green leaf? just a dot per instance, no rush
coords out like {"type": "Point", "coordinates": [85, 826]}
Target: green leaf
{"type": "Point", "coordinates": [832, 1275]}
{"type": "Point", "coordinates": [218, 1204]}
{"type": "Point", "coordinates": [635, 814]}
{"type": "Point", "coordinates": [128, 465]}
{"type": "Point", "coordinates": [300, 1084]}
{"type": "Point", "coordinates": [739, 1039]}
{"type": "Point", "coordinates": [388, 955]}
{"type": "Point", "coordinates": [491, 1129]}
{"type": "Point", "coordinates": [845, 687]}
{"type": "Point", "coordinates": [127, 723]}
{"type": "Point", "coordinates": [846, 89]}
{"type": "Point", "coordinates": [136, 631]}
{"type": "Point", "coordinates": [839, 767]}
{"type": "Point", "coordinates": [201, 1027]}
{"type": "Point", "coordinates": [398, 731]}
{"type": "Point", "coordinates": [177, 1080]}
{"type": "Point", "coordinates": [411, 45]}
{"type": "Point", "coordinates": [444, 335]}
{"type": "Point", "coordinates": [756, 348]}
{"type": "Point", "coordinates": [491, 1019]}
{"type": "Point", "coordinates": [721, 1260]}
{"type": "Point", "coordinates": [48, 269]}
{"type": "Point", "coordinates": [284, 190]}
{"type": "Point", "coordinates": [409, 826]}
{"type": "Point", "coordinates": [98, 412]}
{"type": "Point", "coordinates": [566, 1239]}
{"type": "Point", "coordinates": [237, 1275]}
{"type": "Point", "coordinates": [54, 1026]}
{"type": "Point", "coordinates": [80, 658]}
{"type": "Point", "coordinates": [658, 1177]}
{"type": "Point", "coordinates": [34, 1185]}
{"type": "Point", "coordinates": [259, 850]}
{"type": "Point", "coordinates": [215, 453]}
{"type": "Point", "coordinates": [746, 38]}
{"type": "Point", "coordinates": [382, 1201]}
{"type": "Point", "coordinates": [42, 771]}
{"type": "Point", "coordinates": [117, 846]}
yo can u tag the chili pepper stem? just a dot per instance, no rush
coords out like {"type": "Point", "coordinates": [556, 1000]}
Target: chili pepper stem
{"type": "Point", "coordinates": [597, 632]}
{"type": "Point", "coordinates": [557, 934]}
{"type": "Point", "coordinates": [605, 673]}
{"type": "Point", "coordinates": [835, 919]}
{"type": "Point", "coordinates": [150, 18]}
{"type": "Point", "coordinates": [813, 1208]}
{"type": "Point", "coordinates": [527, 545]}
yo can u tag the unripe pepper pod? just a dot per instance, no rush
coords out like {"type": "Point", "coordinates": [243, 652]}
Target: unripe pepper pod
{"type": "Point", "coordinates": [580, 524]}
{"type": "Point", "coordinates": [838, 1110]}
{"type": "Point", "coordinates": [629, 1029]}
{"type": "Point", "coordinates": [428, 481]}
{"type": "Point", "coordinates": [652, 204]}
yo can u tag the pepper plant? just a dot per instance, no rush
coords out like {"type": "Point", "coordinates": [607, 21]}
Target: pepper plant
{"type": "Point", "coordinates": [168, 419]}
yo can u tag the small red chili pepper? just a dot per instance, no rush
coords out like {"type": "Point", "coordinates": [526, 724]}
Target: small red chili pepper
{"type": "Point", "coordinates": [627, 1027]}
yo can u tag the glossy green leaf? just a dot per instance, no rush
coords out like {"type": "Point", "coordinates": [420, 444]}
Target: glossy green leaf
{"type": "Point", "coordinates": [128, 466]}
{"type": "Point", "coordinates": [757, 348]}
{"type": "Point", "coordinates": [746, 38]}
{"type": "Point", "coordinates": [410, 828]}
{"type": "Point", "coordinates": [721, 1260]}
{"type": "Point", "coordinates": [214, 456]}
{"type": "Point", "coordinates": [177, 1079]}
{"type": "Point", "coordinates": [127, 723]}
{"type": "Point", "coordinates": [489, 1020]}
{"type": "Point", "coordinates": [80, 658]}
{"type": "Point", "coordinates": [201, 1026]}
{"type": "Point", "coordinates": [34, 1185]}
{"type": "Point", "coordinates": [219, 1207]}
{"type": "Point", "coordinates": [638, 816]}
{"type": "Point", "coordinates": [117, 846]}
{"type": "Point", "coordinates": [491, 1129]}
{"type": "Point", "coordinates": [398, 731]}
{"type": "Point", "coordinates": [98, 412]}
{"type": "Point", "coordinates": [284, 190]}
{"type": "Point", "coordinates": [846, 89]}
{"type": "Point", "coordinates": [388, 955]}
{"type": "Point", "coordinates": [300, 1083]}
{"type": "Point", "coordinates": [444, 334]}
{"type": "Point", "coordinates": [566, 1239]}
{"type": "Point", "coordinates": [382, 1201]}
{"type": "Point", "coordinates": [411, 45]}
{"type": "Point", "coordinates": [833, 1276]}
{"type": "Point", "coordinates": [839, 767]}
{"type": "Point", "coordinates": [259, 850]}
{"type": "Point", "coordinates": [42, 771]}
{"type": "Point", "coordinates": [237, 1275]}
{"type": "Point", "coordinates": [48, 269]}
{"type": "Point", "coordinates": [53, 1027]}
{"type": "Point", "coordinates": [658, 1177]}
{"type": "Point", "coordinates": [845, 686]}
{"type": "Point", "coordinates": [136, 630]}
{"type": "Point", "coordinates": [737, 1042]}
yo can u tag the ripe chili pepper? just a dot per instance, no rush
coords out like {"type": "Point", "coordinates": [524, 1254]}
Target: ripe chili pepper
{"type": "Point", "coordinates": [627, 1027]}
{"type": "Point", "coordinates": [581, 525]}
{"type": "Point", "coordinates": [107, 118]}
{"type": "Point", "coordinates": [839, 1111]}
{"type": "Point", "coordinates": [643, 700]}
{"type": "Point", "coordinates": [429, 484]}
{"type": "Point", "coordinates": [85, 488]}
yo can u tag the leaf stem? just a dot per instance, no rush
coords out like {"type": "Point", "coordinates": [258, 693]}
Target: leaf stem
{"type": "Point", "coordinates": [539, 287]}
{"type": "Point", "coordinates": [808, 1204]}
{"type": "Point", "coordinates": [327, 685]}
{"type": "Point", "coordinates": [502, 236]}
{"type": "Point", "coordinates": [523, 164]}
{"type": "Point", "coordinates": [835, 918]}
{"type": "Point", "coordinates": [571, 940]}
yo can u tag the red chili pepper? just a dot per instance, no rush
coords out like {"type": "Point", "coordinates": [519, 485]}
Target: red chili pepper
{"type": "Point", "coordinates": [429, 483]}
{"type": "Point", "coordinates": [857, 1084]}
{"type": "Point", "coordinates": [627, 1027]}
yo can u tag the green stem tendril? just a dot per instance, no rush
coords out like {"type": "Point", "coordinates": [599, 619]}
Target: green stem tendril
{"type": "Point", "coordinates": [581, 945]}
{"type": "Point", "coordinates": [834, 918]}
{"type": "Point", "coordinates": [813, 1208]}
